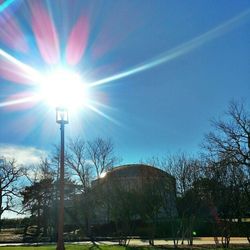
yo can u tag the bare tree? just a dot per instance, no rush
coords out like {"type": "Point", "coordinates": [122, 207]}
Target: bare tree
{"type": "Point", "coordinates": [76, 160]}
{"type": "Point", "coordinates": [9, 175]}
{"type": "Point", "coordinates": [227, 152]}
{"type": "Point", "coordinates": [184, 168]}
{"type": "Point", "coordinates": [85, 161]}
{"type": "Point", "coordinates": [42, 170]}
{"type": "Point", "coordinates": [230, 139]}
{"type": "Point", "coordinates": [101, 153]}
{"type": "Point", "coordinates": [81, 174]}
{"type": "Point", "coordinates": [186, 171]}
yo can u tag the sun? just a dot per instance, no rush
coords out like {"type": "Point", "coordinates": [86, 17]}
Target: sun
{"type": "Point", "coordinates": [63, 88]}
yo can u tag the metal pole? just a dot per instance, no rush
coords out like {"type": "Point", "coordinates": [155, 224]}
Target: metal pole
{"type": "Point", "coordinates": [60, 241]}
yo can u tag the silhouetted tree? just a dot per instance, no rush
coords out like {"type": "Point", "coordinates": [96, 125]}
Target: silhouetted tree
{"type": "Point", "coordinates": [9, 175]}
{"type": "Point", "coordinates": [101, 153]}
{"type": "Point", "coordinates": [86, 161]}
{"type": "Point", "coordinates": [39, 198]}
{"type": "Point", "coordinates": [77, 161]}
{"type": "Point", "coordinates": [227, 154]}
{"type": "Point", "coordinates": [230, 139]}
{"type": "Point", "coordinates": [80, 171]}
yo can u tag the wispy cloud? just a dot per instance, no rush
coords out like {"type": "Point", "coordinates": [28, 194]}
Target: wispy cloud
{"type": "Point", "coordinates": [23, 155]}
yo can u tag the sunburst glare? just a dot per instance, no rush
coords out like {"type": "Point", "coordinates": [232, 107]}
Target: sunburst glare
{"type": "Point", "coordinates": [65, 88]}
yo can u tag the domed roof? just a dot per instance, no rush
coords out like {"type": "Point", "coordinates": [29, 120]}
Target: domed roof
{"type": "Point", "coordinates": [137, 170]}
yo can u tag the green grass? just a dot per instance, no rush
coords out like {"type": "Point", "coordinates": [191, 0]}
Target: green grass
{"type": "Point", "coordinates": [75, 247]}
{"type": "Point", "coordinates": [103, 247]}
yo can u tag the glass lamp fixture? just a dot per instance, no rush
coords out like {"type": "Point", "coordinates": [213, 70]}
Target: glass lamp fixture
{"type": "Point", "coordinates": [62, 116]}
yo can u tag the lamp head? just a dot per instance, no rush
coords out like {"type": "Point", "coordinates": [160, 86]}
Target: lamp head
{"type": "Point", "coordinates": [62, 116]}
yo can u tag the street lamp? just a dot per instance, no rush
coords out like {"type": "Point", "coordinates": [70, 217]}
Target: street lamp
{"type": "Point", "coordinates": [64, 90]}
{"type": "Point", "coordinates": [62, 119]}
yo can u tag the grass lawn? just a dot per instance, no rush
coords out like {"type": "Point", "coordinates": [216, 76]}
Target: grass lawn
{"type": "Point", "coordinates": [96, 247]}
{"type": "Point", "coordinates": [75, 247]}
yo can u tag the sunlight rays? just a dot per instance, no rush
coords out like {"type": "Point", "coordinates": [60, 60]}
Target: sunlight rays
{"type": "Point", "coordinates": [19, 101]}
{"type": "Point", "coordinates": [12, 35]}
{"type": "Point", "coordinates": [35, 77]}
{"type": "Point", "coordinates": [5, 4]}
{"type": "Point", "coordinates": [181, 49]}
{"type": "Point", "coordinates": [45, 33]}
{"type": "Point", "coordinates": [63, 88]}
{"type": "Point", "coordinates": [99, 112]}
{"type": "Point", "coordinates": [19, 70]}
{"type": "Point", "coordinates": [77, 41]}
{"type": "Point", "coordinates": [47, 40]}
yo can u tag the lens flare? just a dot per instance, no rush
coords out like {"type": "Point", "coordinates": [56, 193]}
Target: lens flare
{"type": "Point", "coordinates": [181, 49]}
{"type": "Point", "coordinates": [99, 112]}
{"type": "Point", "coordinates": [63, 88]}
{"type": "Point", "coordinates": [16, 71]}
{"type": "Point", "coordinates": [77, 41]}
{"type": "Point", "coordinates": [22, 100]}
{"type": "Point", "coordinates": [5, 4]}
{"type": "Point", "coordinates": [19, 102]}
{"type": "Point", "coordinates": [13, 36]}
{"type": "Point", "coordinates": [45, 34]}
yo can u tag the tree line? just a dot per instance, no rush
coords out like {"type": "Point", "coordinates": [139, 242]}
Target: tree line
{"type": "Point", "coordinates": [212, 188]}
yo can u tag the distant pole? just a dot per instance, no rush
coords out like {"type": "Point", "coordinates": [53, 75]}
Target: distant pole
{"type": "Point", "coordinates": [62, 119]}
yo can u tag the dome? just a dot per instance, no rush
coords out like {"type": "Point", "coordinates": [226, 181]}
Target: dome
{"type": "Point", "coordinates": [134, 175]}
{"type": "Point", "coordinates": [135, 183]}
{"type": "Point", "coordinates": [136, 170]}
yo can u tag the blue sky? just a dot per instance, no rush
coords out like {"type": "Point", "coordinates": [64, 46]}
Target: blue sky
{"type": "Point", "coordinates": [162, 70]}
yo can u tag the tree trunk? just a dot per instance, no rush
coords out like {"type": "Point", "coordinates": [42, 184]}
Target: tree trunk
{"type": "Point", "coordinates": [1, 203]}
{"type": "Point", "coordinates": [248, 238]}
{"type": "Point", "coordinates": [1, 220]}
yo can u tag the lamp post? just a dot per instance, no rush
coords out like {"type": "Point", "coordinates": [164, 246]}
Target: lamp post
{"type": "Point", "coordinates": [62, 119]}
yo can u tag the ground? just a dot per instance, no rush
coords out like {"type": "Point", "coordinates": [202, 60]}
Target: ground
{"type": "Point", "coordinates": [9, 236]}
{"type": "Point", "coordinates": [105, 247]}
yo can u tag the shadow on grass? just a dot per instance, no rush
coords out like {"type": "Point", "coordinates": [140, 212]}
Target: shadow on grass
{"type": "Point", "coordinates": [140, 248]}
{"type": "Point", "coordinates": [94, 246]}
